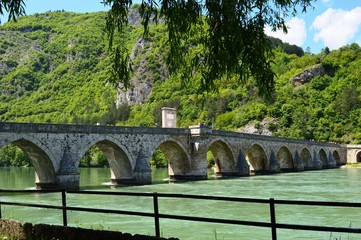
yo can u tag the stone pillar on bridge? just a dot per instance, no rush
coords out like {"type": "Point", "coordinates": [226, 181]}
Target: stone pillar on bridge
{"type": "Point", "coordinates": [68, 176]}
{"type": "Point", "coordinates": [199, 151]}
{"type": "Point", "coordinates": [274, 166]}
{"type": "Point", "coordinates": [142, 172]}
{"type": "Point", "coordinates": [331, 161]}
{"type": "Point", "coordinates": [317, 164]}
{"type": "Point", "coordinates": [198, 169]}
{"type": "Point", "coordinates": [242, 165]}
{"type": "Point", "coordinates": [298, 163]}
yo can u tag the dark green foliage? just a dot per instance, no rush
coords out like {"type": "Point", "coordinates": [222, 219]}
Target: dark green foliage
{"type": "Point", "coordinates": [158, 159]}
{"type": "Point", "coordinates": [11, 155]}
{"type": "Point", "coordinates": [348, 100]}
{"type": "Point", "coordinates": [287, 48]}
{"type": "Point", "coordinates": [94, 158]}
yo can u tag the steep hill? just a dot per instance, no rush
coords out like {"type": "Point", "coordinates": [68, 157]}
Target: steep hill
{"type": "Point", "coordinates": [54, 67]}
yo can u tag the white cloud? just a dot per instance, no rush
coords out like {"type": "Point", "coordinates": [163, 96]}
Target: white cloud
{"type": "Point", "coordinates": [336, 27]}
{"type": "Point", "coordinates": [296, 32]}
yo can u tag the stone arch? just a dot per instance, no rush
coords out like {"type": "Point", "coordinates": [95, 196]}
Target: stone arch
{"type": "Point", "coordinates": [15, 138]}
{"type": "Point", "coordinates": [285, 158]}
{"type": "Point", "coordinates": [84, 149]}
{"type": "Point", "coordinates": [45, 174]}
{"type": "Point", "coordinates": [120, 164]}
{"type": "Point", "coordinates": [358, 156]}
{"type": "Point", "coordinates": [257, 158]}
{"type": "Point", "coordinates": [179, 165]}
{"type": "Point", "coordinates": [337, 157]}
{"type": "Point", "coordinates": [306, 158]}
{"type": "Point", "coordinates": [225, 161]}
{"type": "Point", "coordinates": [323, 157]}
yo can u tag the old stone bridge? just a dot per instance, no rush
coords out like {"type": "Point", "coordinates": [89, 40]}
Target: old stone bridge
{"type": "Point", "coordinates": [56, 150]}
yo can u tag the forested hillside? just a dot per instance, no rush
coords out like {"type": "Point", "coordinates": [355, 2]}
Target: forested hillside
{"type": "Point", "coordinates": [54, 68]}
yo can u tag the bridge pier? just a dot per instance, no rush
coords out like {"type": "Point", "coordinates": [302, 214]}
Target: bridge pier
{"type": "Point", "coordinates": [142, 174]}
{"type": "Point", "coordinates": [63, 181]}
{"type": "Point", "coordinates": [197, 169]}
{"type": "Point", "coordinates": [199, 149]}
{"type": "Point", "coordinates": [298, 163]}
{"type": "Point", "coordinates": [243, 168]}
{"type": "Point", "coordinates": [331, 161]}
{"type": "Point", "coordinates": [68, 181]}
{"type": "Point", "coordinates": [274, 166]}
{"type": "Point", "coordinates": [317, 163]}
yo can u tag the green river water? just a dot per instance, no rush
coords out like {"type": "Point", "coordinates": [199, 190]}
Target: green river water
{"type": "Point", "coordinates": [342, 185]}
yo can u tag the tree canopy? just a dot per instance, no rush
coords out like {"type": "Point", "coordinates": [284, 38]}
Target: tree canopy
{"type": "Point", "coordinates": [15, 8]}
{"type": "Point", "coordinates": [231, 33]}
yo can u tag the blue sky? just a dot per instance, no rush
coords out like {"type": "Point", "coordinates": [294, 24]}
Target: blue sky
{"type": "Point", "coordinates": [332, 23]}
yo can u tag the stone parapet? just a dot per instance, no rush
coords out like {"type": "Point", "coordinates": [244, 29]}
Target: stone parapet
{"type": "Point", "coordinates": [71, 128]}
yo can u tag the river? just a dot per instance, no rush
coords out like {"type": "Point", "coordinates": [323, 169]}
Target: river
{"type": "Point", "coordinates": [323, 185]}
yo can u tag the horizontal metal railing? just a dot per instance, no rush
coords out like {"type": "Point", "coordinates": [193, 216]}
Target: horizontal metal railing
{"type": "Point", "coordinates": [156, 215]}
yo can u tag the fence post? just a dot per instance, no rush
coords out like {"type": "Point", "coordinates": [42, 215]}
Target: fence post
{"type": "Point", "coordinates": [273, 218]}
{"type": "Point", "coordinates": [156, 212]}
{"type": "Point", "coordinates": [63, 201]}
{"type": "Point", "coordinates": [0, 212]}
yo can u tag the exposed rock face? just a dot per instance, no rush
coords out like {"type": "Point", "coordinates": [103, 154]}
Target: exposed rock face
{"type": "Point", "coordinates": [134, 18]}
{"type": "Point", "coordinates": [263, 128]}
{"type": "Point", "coordinates": [143, 76]}
{"type": "Point", "coordinates": [141, 88]}
{"type": "Point", "coordinates": [307, 75]}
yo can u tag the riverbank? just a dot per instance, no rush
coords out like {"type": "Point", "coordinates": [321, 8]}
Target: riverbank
{"type": "Point", "coordinates": [11, 229]}
{"type": "Point", "coordinates": [352, 165]}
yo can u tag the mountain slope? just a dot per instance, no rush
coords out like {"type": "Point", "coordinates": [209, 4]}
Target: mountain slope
{"type": "Point", "coordinates": [54, 67]}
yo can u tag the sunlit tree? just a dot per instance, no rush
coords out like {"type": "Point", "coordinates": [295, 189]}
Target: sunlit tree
{"type": "Point", "coordinates": [14, 8]}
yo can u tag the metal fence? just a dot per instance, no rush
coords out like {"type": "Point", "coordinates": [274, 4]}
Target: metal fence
{"type": "Point", "coordinates": [156, 215]}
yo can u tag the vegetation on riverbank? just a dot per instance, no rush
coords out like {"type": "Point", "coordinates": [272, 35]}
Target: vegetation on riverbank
{"type": "Point", "coordinates": [352, 165]}
{"type": "Point", "coordinates": [54, 69]}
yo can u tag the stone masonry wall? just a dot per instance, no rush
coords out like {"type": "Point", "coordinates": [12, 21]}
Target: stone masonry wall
{"type": "Point", "coordinates": [27, 231]}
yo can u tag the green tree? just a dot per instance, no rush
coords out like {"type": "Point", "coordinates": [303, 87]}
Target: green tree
{"type": "Point", "coordinates": [15, 8]}
{"type": "Point", "coordinates": [11, 155]}
{"type": "Point", "coordinates": [348, 100]}
{"type": "Point", "coordinates": [231, 33]}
